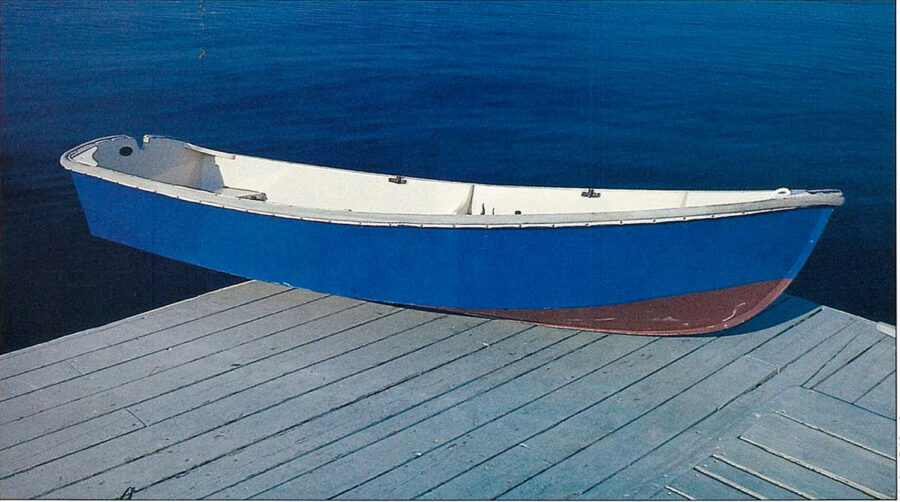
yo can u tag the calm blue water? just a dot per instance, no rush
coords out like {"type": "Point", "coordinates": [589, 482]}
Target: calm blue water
{"type": "Point", "coordinates": [656, 95]}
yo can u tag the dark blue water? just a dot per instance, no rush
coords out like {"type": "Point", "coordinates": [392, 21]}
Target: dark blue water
{"type": "Point", "coordinates": [655, 95]}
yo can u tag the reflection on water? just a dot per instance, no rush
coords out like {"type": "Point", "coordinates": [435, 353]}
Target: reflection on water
{"type": "Point", "coordinates": [656, 95]}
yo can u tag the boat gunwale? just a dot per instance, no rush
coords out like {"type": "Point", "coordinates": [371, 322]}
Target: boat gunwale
{"type": "Point", "coordinates": [794, 200]}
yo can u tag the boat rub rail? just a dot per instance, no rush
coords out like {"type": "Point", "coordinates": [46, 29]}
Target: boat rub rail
{"type": "Point", "coordinates": [794, 199]}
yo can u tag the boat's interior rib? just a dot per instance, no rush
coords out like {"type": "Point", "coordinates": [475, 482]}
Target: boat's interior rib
{"type": "Point", "coordinates": [280, 182]}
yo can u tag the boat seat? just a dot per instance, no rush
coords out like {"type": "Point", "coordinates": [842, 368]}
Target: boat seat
{"type": "Point", "coordinates": [240, 193]}
{"type": "Point", "coordinates": [465, 207]}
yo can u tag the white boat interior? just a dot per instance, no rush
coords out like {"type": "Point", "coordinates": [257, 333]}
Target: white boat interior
{"type": "Point", "coordinates": [278, 182]}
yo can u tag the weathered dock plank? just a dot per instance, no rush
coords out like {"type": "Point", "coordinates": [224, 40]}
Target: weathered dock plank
{"type": "Point", "coordinates": [823, 334]}
{"type": "Point", "coordinates": [129, 366]}
{"type": "Point", "coordinates": [448, 427]}
{"type": "Point", "coordinates": [788, 475]}
{"type": "Point", "coordinates": [502, 470]}
{"type": "Point", "coordinates": [273, 460]}
{"type": "Point", "coordinates": [863, 373]}
{"type": "Point", "coordinates": [866, 336]}
{"type": "Point", "coordinates": [296, 380]}
{"type": "Point", "coordinates": [812, 467]}
{"type": "Point", "coordinates": [844, 462]}
{"type": "Point", "coordinates": [159, 374]}
{"type": "Point", "coordinates": [685, 409]}
{"type": "Point", "coordinates": [257, 391]}
{"type": "Point", "coordinates": [148, 323]}
{"type": "Point", "coordinates": [744, 481]}
{"type": "Point", "coordinates": [592, 463]}
{"type": "Point", "coordinates": [163, 384]}
{"type": "Point", "coordinates": [882, 399]}
{"type": "Point", "coordinates": [699, 486]}
{"type": "Point", "coordinates": [511, 430]}
{"type": "Point", "coordinates": [839, 419]}
{"type": "Point", "coordinates": [333, 336]}
{"type": "Point", "coordinates": [667, 494]}
{"type": "Point", "coordinates": [63, 442]}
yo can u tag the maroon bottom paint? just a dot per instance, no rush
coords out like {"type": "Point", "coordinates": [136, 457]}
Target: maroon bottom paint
{"type": "Point", "coordinates": [690, 314]}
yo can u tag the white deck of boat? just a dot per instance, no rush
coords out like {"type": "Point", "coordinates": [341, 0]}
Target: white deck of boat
{"type": "Point", "coordinates": [259, 391]}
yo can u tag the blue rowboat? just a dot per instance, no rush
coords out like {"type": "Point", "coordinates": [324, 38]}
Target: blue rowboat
{"type": "Point", "coordinates": [623, 261]}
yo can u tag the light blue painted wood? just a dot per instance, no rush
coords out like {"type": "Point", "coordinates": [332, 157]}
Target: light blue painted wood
{"type": "Point", "coordinates": [667, 494]}
{"type": "Point", "coordinates": [161, 373]}
{"type": "Point", "coordinates": [275, 459]}
{"type": "Point", "coordinates": [448, 428]}
{"type": "Point", "coordinates": [826, 323]}
{"type": "Point", "coordinates": [51, 446]}
{"type": "Point", "coordinates": [177, 339]}
{"type": "Point", "coordinates": [331, 393]}
{"type": "Point", "coordinates": [593, 463]}
{"type": "Point", "coordinates": [83, 342]}
{"type": "Point", "coordinates": [167, 448]}
{"type": "Point", "coordinates": [882, 398]}
{"type": "Point", "coordinates": [863, 373]}
{"type": "Point", "coordinates": [123, 367]}
{"type": "Point", "coordinates": [866, 336]}
{"type": "Point", "coordinates": [33, 380]}
{"type": "Point", "coordinates": [838, 418]}
{"type": "Point", "coordinates": [327, 336]}
{"type": "Point", "coordinates": [597, 402]}
{"type": "Point", "coordinates": [842, 461]}
{"type": "Point", "coordinates": [500, 473]}
{"type": "Point", "coordinates": [822, 336]}
{"type": "Point", "coordinates": [129, 350]}
{"type": "Point", "coordinates": [554, 478]}
{"type": "Point", "coordinates": [783, 473]}
{"type": "Point", "coordinates": [744, 481]}
{"type": "Point", "coordinates": [182, 431]}
{"type": "Point", "coordinates": [699, 486]}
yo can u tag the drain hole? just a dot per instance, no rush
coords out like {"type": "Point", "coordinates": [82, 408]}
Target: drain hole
{"type": "Point", "coordinates": [125, 151]}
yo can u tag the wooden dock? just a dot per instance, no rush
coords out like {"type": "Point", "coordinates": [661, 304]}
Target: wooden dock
{"type": "Point", "coordinates": [260, 391]}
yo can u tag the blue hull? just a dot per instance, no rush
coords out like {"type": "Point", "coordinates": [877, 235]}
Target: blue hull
{"type": "Point", "coordinates": [462, 269]}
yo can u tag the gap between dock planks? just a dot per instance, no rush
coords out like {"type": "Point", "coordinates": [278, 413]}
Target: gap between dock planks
{"type": "Point", "coordinates": [277, 393]}
{"type": "Point", "coordinates": [803, 444]}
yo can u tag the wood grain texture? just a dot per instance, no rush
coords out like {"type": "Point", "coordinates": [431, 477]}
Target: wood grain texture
{"type": "Point", "coordinates": [832, 457]}
{"type": "Point", "coordinates": [256, 391]}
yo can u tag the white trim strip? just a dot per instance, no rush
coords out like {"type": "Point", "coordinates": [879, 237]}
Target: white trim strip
{"type": "Point", "coordinates": [797, 199]}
